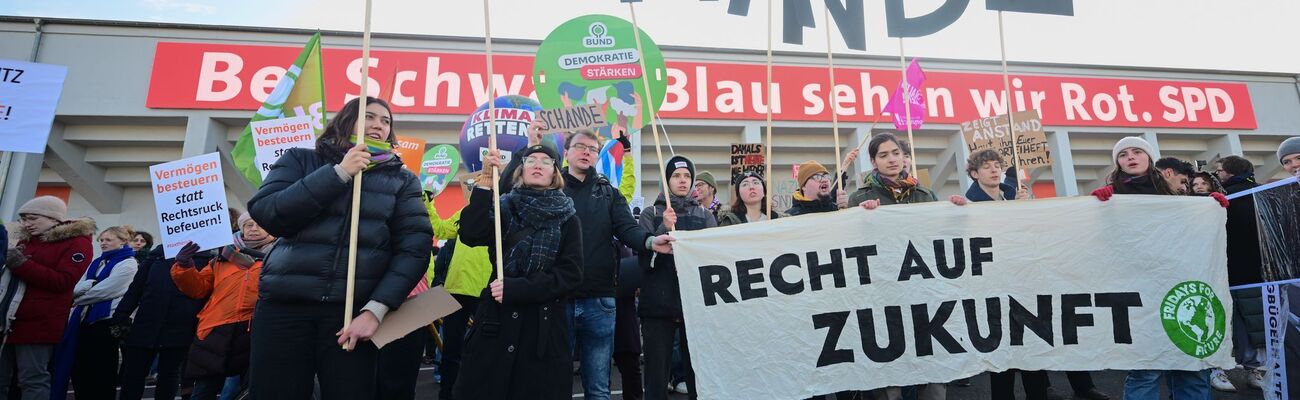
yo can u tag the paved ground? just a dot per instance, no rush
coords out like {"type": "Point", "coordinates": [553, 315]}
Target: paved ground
{"type": "Point", "coordinates": [1110, 382]}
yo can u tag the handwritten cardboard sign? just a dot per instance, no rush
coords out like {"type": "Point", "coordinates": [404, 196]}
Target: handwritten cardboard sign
{"type": "Point", "coordinates": [992, 133]}
{"type": "Point", "coordinates": [586, 116]}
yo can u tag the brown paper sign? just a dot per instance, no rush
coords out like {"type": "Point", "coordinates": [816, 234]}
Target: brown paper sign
{"type": "Point", "coordinates": [992, 133]}
{"type": "Point", "coordinates": [586, 116]}
{"type": "Point", "coordinates": [415, 313]}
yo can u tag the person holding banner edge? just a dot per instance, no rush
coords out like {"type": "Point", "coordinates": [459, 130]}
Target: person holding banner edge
{"type": "Point", "coordinates": [1136, 173]}
{"type": "Point", "coordinates": [660, 308]}
{"type": "Point", "coordinates": [305, 201]}
{"type": "Point", "coordinates": [518, 346]}
{"type": "Point", "coordinates": [889, 182]}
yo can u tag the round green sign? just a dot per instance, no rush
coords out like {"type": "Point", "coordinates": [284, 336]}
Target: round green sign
{"type": "Point", "coordinates": [1194, 318]}
{"type": "Point", "coordinates": [593, 59]}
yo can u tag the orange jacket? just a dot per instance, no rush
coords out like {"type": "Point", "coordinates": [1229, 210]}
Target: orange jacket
{"type": "Point", "coordinates": [232, 292]}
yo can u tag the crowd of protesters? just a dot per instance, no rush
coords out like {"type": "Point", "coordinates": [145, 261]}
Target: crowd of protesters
{"type": "Point", "coordinates": [584, 277]}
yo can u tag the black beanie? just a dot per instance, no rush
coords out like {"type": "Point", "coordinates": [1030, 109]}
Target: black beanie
{"type": "Point", "coordinates": [676, 162]}
{"type": "Point", "coordinates": [541, 148]}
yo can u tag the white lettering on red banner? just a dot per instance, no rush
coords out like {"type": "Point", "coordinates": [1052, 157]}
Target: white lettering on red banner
{"type": "Point", "coordinates": [240, 77]}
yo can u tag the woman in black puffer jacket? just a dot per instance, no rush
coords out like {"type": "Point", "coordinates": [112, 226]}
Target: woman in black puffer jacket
{"type": "Point", "coordinates": [306, 201]}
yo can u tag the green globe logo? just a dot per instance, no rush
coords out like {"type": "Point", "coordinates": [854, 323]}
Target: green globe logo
{"type": "Point", "coordinates": [1194, 319]}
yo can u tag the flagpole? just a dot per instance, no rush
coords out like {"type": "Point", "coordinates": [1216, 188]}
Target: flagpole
{"type": "Point", "coordinates": [350, 298]}
{"type": "Point", "coordinates": [830, 96]}
{"type": "Point", "coordinates": [907, 103]}
{"type": "Point", "coordinates": [650, 101]}
{"type": "Point", "coordinates": [492, 139]}
{"type": "Point", "coordinates": [768, 149]}
{"type": "Point", "coordinates": [1006, 86]}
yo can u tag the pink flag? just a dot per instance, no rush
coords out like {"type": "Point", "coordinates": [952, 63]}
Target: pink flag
{"type": "Point", "coordinates": [912, 87]}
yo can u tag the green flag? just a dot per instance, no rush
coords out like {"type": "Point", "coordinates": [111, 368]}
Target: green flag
{"type": "Point", "coordinates": [301, 91]}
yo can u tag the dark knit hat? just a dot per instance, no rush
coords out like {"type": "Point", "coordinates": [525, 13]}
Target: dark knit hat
{"type": "Point", "coordinates": [708, 179]}
{"type": "Point", "coordinates": [541, 148]}
{"type": "Point", "coordinates": [679, 161]}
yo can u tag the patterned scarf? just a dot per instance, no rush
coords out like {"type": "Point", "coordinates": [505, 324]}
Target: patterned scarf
{"type": "Point", "coordinates": [380, 151]}
{"type": "Point", "coordinates": [545, 211]}
{"type": "Point", "coordinates": [900, 189]}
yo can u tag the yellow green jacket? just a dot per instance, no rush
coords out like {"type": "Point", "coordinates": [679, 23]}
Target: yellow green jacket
{"type": "Point", "coordinates": [470, 267]}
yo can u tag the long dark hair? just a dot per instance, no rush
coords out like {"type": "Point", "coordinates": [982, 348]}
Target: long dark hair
{"type": "Point", "coordinates": [738, 204]}
{"type": "Point", "coordinates": [340, 130]}
{"type": "Point", "coordinates": [1119, 179]}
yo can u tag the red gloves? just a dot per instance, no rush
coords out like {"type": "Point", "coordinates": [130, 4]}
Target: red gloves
{"type": "Point", "coordinates": [1103, 193]}
{"type": "Point", "coordinates": [1223, 200]}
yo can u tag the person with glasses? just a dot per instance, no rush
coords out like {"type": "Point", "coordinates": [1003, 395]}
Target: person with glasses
{"type": "Point", "coordinates": [604, 213]}
{"type": "Point", "coordinates": [518, 346]}
{"type": "Point", "coordinates": [817, 191]}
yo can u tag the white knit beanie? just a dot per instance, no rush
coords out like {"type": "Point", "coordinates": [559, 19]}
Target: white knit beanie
{"type": "Point", "coordinates": [46, 206]}
{"type": "Point", "coordinates": [1131, 142]}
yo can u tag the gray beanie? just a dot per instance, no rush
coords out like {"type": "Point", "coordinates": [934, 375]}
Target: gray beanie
{"type": "Point", "coordinates": [1131, 142]}
{"type": "Point", "coordinates": [1288, 147]}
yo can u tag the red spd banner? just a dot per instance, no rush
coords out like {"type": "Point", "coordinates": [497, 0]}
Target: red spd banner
{"type": "Point", "coordinates": [215, 76]}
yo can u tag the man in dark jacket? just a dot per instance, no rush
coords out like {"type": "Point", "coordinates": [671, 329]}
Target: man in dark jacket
{"type": "Point", "coordinates": [604, 214]}
{"type": "Point", "coordinates": [817, 191]}
{"type": "Point", "coordinates": [1237, 175]}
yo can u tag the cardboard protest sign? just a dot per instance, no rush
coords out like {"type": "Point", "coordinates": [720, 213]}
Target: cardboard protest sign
{"type": "Point", "coordinates": [273, 137]}
{"type": "Point", "coordinates": [190, 196]}
{"type": "Point", "coordinates": [438, 168]}
{"type": "Point", "coordinates": [992, 133]}
{"type": "Point", "coordinates": [748, 157]}
{"type": "Point", "coordinates": [568, 119]}
{"type": "Point", "coordinates": [415, 313]}
{"type": "Point", "coordinates": [948, 292]}
{"type": "Point", "coordinates": [29, 94]}
{"type": "Point", "coordinates": [411, 151]}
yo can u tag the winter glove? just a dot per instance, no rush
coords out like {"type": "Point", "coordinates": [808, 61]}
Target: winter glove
{"type": "Point", "coordinates": [14, 258]}
{"type": "Point", "coordinates": [1103, 193]}
{"type": "Point", "coordinates": [627, 143]}
{"type": "Point", "coordinates": [1223, 200]}
{"type": "Point", "coordinates": [186, 257]}
{"type": "Point", "coordinates": [120, 330]}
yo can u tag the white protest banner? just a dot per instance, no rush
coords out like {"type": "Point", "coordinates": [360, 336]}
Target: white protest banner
{"type": "Point", "coordinates": [912, 294]}
{"type": "Point", "coordinates": [273, 137]}
{"type": "Point", "coordinates": [191, 199]}
{"type": "Point", "coordinates": [29, 94]}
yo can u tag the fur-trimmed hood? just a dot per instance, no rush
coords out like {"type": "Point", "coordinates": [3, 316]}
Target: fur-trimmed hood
{"type": "Point", "coordinates": [64, 230]}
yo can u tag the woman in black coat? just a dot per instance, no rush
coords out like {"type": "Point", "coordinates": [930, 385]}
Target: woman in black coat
{"type": "Point", "coordinates": [163, 326]}
{"type": "Point", "coordinates": [306, 201]}
{"type": "Point", "coordinates": [518, 347]}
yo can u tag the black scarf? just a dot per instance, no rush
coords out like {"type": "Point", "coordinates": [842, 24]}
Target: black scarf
{"type": "Point", "coordinates": [543, 211]}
